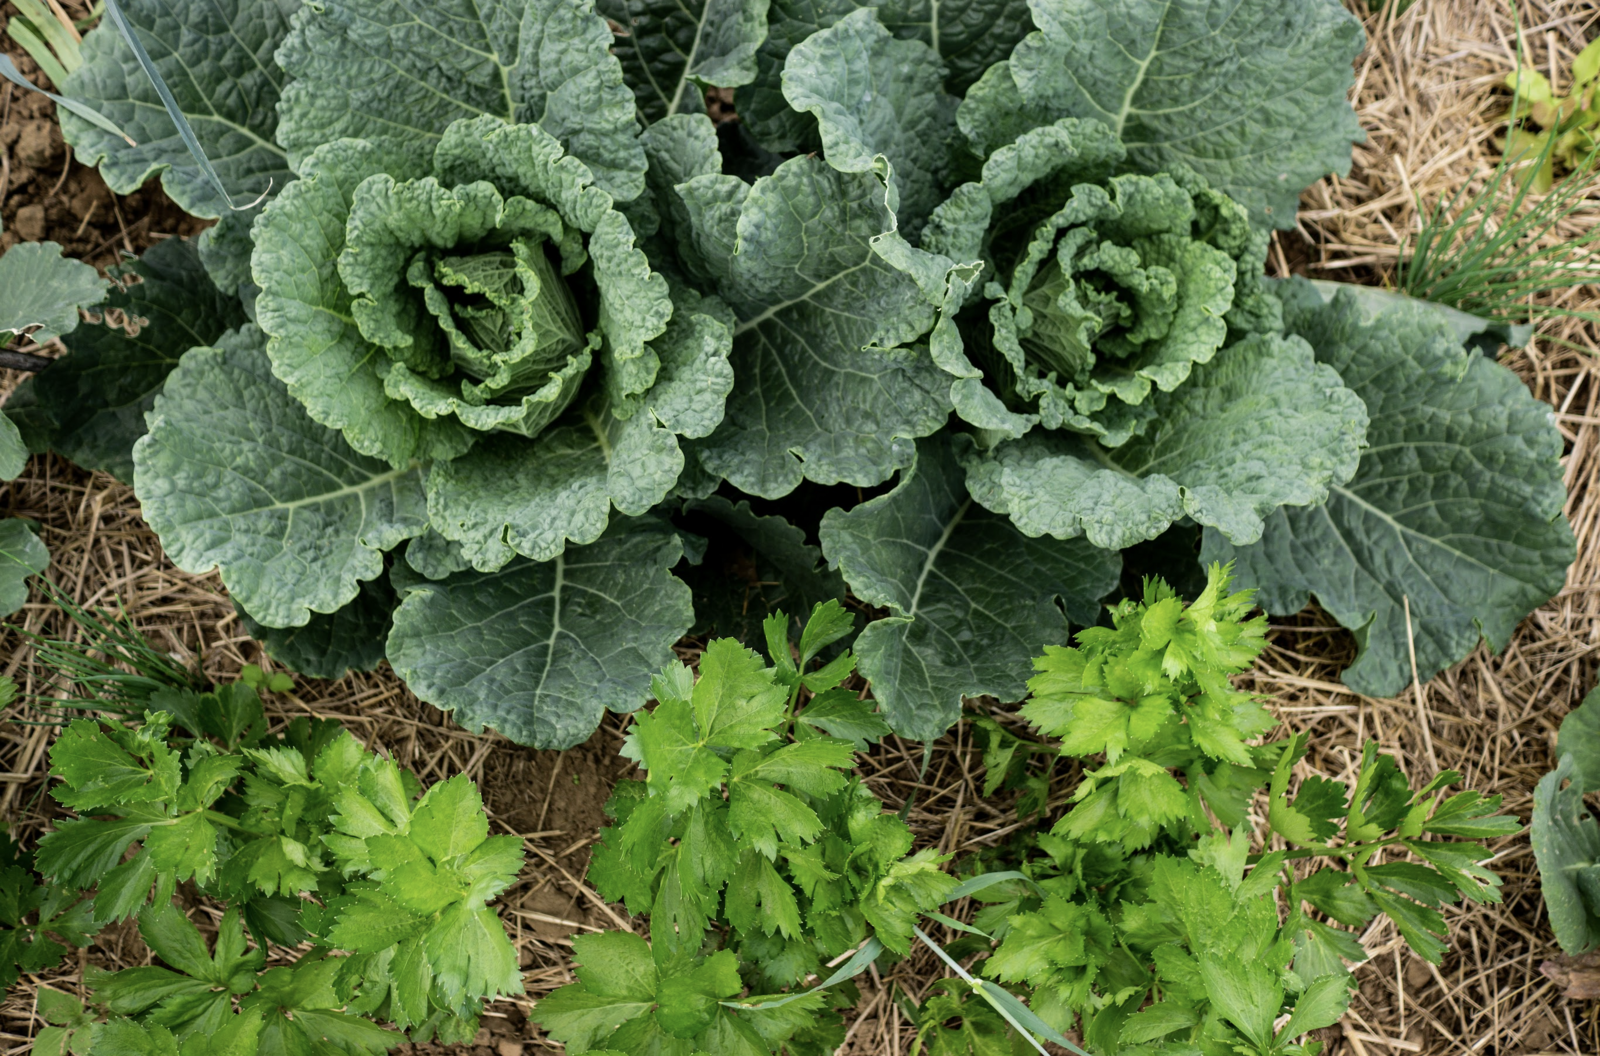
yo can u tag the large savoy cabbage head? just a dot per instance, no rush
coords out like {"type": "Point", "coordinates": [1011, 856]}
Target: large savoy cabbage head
{"type": "Point", "coordinates": [492, 313]}
{"type": "Point", "coordinates": [1099, 284]}
{"type": "Point", "coordinates": [481, 290]}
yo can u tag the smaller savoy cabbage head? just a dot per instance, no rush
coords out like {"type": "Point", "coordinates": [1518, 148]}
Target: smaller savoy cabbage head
{"type": "Point", "coordinates": [491, 314]}
{"type": "Point", "coordinates": [1124, 365]}
{"type": "Point", "coordinates": [1101, 285]}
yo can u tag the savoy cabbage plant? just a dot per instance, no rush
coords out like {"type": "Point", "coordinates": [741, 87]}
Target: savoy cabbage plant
{"type": "Point", "coordinates": [522, 358]}
{"type": "Point", "coordinates": [454, 365]}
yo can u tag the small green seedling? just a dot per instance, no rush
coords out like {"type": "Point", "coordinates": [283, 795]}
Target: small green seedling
{"type": "Point", "coordinates": [1547, 129]}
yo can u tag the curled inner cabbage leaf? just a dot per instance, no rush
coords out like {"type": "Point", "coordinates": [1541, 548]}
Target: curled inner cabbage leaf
{"type": "Point", "coordinates": [458, 286]}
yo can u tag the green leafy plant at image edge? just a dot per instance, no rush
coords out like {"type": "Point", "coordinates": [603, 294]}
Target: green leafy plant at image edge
{"type": "Point", "coordinates": [1565, 833]}
{"type": "Point", "coordinates": [376, 890]}
{"type": "Point", "coordinates": [1498, 251]}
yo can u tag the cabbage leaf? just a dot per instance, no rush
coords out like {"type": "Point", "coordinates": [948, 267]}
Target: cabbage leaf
{"type": "Point", "coordinates": [1249, 93]}
{"type": "Point", "coordinates": [217, 60]}
{"type": "Point", "coordinates": [89, 405]}
{"type": "Point", "coordinates": [1455, 508]}
{"type": "Point", "coordinates": [399, 72]}
{"type": "Point", "coordinates": [234, 474]}
{"type": "Point", "coordinates": [540, 650]}
{"type": "Point", "coordinates": [827, 389]}
{"type": "Point", "coordinates": [970, 598]}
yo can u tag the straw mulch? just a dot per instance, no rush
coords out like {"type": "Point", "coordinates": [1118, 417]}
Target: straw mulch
{"type": "Point", "coordinates": [1424, 94]}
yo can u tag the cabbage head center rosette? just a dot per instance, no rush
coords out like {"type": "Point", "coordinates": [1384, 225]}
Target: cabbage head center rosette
{"type": "Point", "coordinates": [491, 315]}
{"type": "Point", "coordinates": [1114, 343]}
{"type": "Point", "coordinates": [1098, 285]}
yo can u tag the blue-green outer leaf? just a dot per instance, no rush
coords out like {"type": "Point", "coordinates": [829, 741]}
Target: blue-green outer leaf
{"type": "Point", "coordinates": [39, 287]}
{"type": "Point", "coordinates": [971, 599]}
{"type": "Point", "coordinates": [233, 474]}
{"type": "Point", "coordinates": [400, 71]}
{"type": "Point", "coordinates": [1455, 508]}
{"type": "Point", "coordinates": [216, 59]}
{"type": "Point", "coordinates": [539, 651]}
{"type": "Point", "coordinates": [824, 391]}
{"type": "Point", "coordinates": [89, 405]}
{"type": "Point", "coordinates": [1250, 93]}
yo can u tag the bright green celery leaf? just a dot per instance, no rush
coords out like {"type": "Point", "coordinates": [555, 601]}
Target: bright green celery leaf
{"type": "Point", "coordinates": [874, 94]}
{"type": "Point", "coordinates": [439, 867]}
{"type": "Point", "coordinates": [1580, 738]}
{"type": "Point", "coordinates": [89, 405]}
{"type": "Point", "coordinates": [616, 983]}
{"type": "Point", "coordinates": [825, 392]}
{"type": "Point", "coordinates": [404, 70]}
{"type": "Point", "coordinates": [1251, 93]}
{"type": "Point", "coordinates": [39, 287]}
{"type": "Point", "coordinates": [1455, 506]}
{"type": "Point", "coordinates": [350, 639]}
{"type": "Point", "coordinates": [1263, 425]}
{"type": "Point", "coordinates": [540, 651]}
{"type": "Point", "coordinates": [763, 815]}
{"type": "Point", "coordinates": [628, 1000]}
{"type": "Point", "coordinates": [968, 35]}
{"type": "Point", "coordinates": [233, 473]}
{"type": "Point", "coordinates": [298, 1007]}
{"type": "Point", "coordinates": [734, 705]}
{"type": "Point", "coordinates": [1117, 691]}
{"type": "Point", "coordinates": [1566, 844]}
{"type": "Point", "coordinates": [508, 496]}
{"type": "Point", "coordinates": [954, 1021]}
{"type": "Point", "coordinates": [672, 52]}
{"type": "Point", "coordinates": [971, 598]}
{"type": "Point", "coordinates": [217, 60]}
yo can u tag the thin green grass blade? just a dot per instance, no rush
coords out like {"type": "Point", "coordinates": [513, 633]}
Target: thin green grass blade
{"type": "Point", "coordinates": [112, 667]}
{"type": "Point", "coordinates": [1020, 1016]}
{"type": "Point", "coordinates": [1497, 251]}
{"type": "Point", "coordinates": [983, 881]}
{"type": "Point", "coordinates": [857, 964]}
{"type": "Point", "coordinates": [20, 31]}
{"type": "Point", "coordinates": [43, 21]}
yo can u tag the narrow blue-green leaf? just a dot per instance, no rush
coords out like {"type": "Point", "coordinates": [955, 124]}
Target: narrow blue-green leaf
{"type": "Point", "coordinates": [9, 71]}
{"type": "Point", "coordinates": [848, 970]}
{"type": "Point", "coordinates": [983, 881]}
{"type": "Point", "coordinates": [951, 922]}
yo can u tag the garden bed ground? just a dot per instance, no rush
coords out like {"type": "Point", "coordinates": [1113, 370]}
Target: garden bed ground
{"type": "Point", "coordinates": [1424, 98]}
